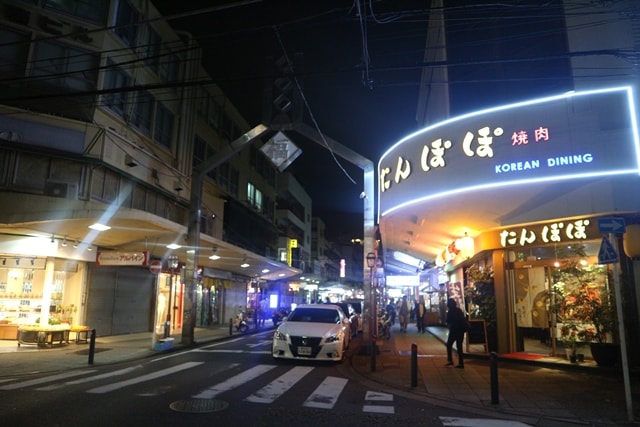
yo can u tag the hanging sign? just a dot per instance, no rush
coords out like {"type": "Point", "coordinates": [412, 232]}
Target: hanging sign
{"type": "Point", "coordinates": [123, 258]}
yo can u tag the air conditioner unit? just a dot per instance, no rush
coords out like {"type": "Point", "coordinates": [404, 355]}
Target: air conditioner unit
{"type": "Point", "coordinates": [65, 190]}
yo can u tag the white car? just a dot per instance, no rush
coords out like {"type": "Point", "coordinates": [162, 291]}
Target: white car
{"type": "Point", "coordinates": [313, 332]}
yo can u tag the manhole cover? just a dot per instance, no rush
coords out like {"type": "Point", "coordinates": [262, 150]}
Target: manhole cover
{"type": "Point", "coordinates": [199, 405]}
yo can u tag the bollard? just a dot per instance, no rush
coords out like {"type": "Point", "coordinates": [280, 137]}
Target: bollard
{"type": "Point", "coordinates": [92, 346]}
{"type": "Point", "coordinates": [414, 365]}
{"type": "Point", "coordinates": [493, 357]}
{"type": "Point", "coordinates": [373, 354]}
{"type": "Point", "coordinates": [231, 326]}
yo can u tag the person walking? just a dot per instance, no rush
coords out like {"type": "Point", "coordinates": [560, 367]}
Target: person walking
{"type": "Point", "coordinates": [421, 314]}
{"type": "Point", "coordinates": [457, 324]}
{"type": "Point", "coordinates": [391, 309]}
{"type": "Point", "coordinates": [404, 311]}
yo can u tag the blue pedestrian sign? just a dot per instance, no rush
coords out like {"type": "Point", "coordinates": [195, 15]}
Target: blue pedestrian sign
{"type": "Point", "coordinates": [611, 224]}
{"type": "Point", "coordinates": [607, 253]}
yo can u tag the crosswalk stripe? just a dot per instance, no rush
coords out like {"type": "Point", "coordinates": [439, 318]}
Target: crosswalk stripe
{"type": "Point", "coordinates": [379, 409]}
{"type": "Point", "coordinates": [44, 380]}
{"type": "Point", "coordinates": [115, 386]}
{"type": "Point", "coordinates": [233, 382]}
{"type": "Point", "coordinates": [278, 387]}
{"type": "Point", "coordinates": [479, 422]}
{"type": "Point", "coordinates": [89, 379]}
{"type": "Point", "coordinates": [327, 393]}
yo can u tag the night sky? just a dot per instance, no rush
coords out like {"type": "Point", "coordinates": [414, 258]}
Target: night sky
{"type": "Point", "coordinates": [365, 105]}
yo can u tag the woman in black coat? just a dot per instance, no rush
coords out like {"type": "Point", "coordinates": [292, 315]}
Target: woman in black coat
{"type": "Point", "coordinates": [457, 323]}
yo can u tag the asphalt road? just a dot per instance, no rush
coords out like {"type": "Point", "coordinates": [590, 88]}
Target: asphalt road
{"type": "Point", "coordinates": [229, 383]}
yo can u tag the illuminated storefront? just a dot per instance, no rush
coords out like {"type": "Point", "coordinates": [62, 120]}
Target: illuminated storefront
{"type": "Point", "coordinates": [525, 182]}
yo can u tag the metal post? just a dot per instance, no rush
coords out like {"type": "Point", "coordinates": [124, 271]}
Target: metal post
{"type": "Point", "coordinates": [231, 326]}
{"type": "Point", "coordinates": [493, 357]}
{"type": "Point", "coordinates": [92, 346]}
{"type": "Point", "coordinates": [414, 365]}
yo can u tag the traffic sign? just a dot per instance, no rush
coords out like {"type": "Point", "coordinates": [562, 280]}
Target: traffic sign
{"type": "Point", "coordinates": [611, 224]}
{"type": "Point", "coordinates": [607, 253]}
{"type": "Point", "coordinates": [155, 267]}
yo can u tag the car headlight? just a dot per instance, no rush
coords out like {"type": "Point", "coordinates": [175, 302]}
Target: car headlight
{"type": "Point", "coordinates": [279, 336]}
{"type": "Point", "coordinates": [332, 338]}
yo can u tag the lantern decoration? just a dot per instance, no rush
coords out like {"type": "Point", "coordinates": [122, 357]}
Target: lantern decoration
{"type": "Point", "coordinates": [631, 241]}
{"type": "Point", "coordinates": [466, 246]}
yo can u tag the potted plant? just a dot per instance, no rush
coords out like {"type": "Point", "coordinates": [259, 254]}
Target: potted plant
{"type": "Point", "coordinates": [586, 308]}
{"type": "Point", "coordinates": [480, 294]}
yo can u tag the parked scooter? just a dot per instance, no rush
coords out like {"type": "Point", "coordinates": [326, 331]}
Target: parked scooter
{"type": "Point", "coordinates": [241, 322]}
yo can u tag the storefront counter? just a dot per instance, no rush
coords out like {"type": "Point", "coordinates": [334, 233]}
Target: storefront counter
{"type": "Point", "coordinates": [8, 331]}
{"type": "Point", "coordinates": [34, 335]}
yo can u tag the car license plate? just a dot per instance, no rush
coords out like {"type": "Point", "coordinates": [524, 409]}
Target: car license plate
{"type": "Point", "coordinates": [304, 351]}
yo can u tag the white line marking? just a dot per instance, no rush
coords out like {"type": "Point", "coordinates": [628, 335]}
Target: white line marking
{"type": "Point", "coordinates": [236, 351]}
{"type": "Point", "coordinates": [258, 344]}
{"type": "Point", "coordinates": [94, 378]}
{"type": "Point", "coordinates": [115, 386]}
{"type": "Point", "coordinates": [44, 380]}
{"type": "Point", "coordinates": [479, 422]}
{"type": "Point", "coordinates": [327, 393]}
{"type": "Point", "coordinates": [279, 386]}
{"type": "Point", "coordinates": [378, 396]}
{"type": "Point", "coordinates": [233, 382]}
{"type": "Point", "coordinates": [379, 409]}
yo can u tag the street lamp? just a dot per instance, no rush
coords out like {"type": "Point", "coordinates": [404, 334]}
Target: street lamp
{"type": "Point", "coordinates": [173, 263]}
{"type": "Point", "coordinates": [373, 317]}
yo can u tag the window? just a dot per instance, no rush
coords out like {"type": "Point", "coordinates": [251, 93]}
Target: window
{"type": "Point", "coordinates": [127, 19]}
{"type": "Point", "coordinates": [149, 47]}
{"type": "Point", "coordinates": [89, 10]}
{"type": "Point", "coordinates": [142, 112]}
{"type": "Point", "coordinates": [168, 71]}
{"type": "Point", "coordinates": [254, 197]}
{"type": "Point", "coordinates": [163, 131]}
{"type": "Point", "coordinates": [13, 53]}
{"type": "Point", "coordinates": [116, 78]}
{"type": "Point", "coordinates": [66, 66]}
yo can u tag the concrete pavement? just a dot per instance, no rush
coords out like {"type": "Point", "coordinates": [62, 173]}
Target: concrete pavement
{"type": "Point", "coordinates": [540, 391]}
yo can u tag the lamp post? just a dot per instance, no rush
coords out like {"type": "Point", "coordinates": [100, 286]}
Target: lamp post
{"type": "Point", "coordinates": [172, 262]}
{"type": "Point", "coordinates": [373, 321]}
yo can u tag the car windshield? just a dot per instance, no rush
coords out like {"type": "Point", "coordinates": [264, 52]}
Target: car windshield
{"type": "Point", "coordinates": [314, 315]}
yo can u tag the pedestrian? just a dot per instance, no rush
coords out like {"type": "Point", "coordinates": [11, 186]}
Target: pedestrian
{"type": "Point", "coordinates": [404, 311]}
{"type": "Point", "coordinates": [458, 325]}
{"type": "Point", "coordinates": [264, 309]}
{"type": "Point", "coordinates": [421, 314]}
{"type": "Point", "coordinates": [391, 309]}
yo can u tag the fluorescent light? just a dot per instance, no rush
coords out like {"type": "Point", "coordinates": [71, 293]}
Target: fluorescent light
{"type": "Point", "coordinates": [244, 265]}
{"type": "Point", "coordinates": [173, 246]}
{"type": "Point", "coordinates": [214, 257]}
{"type": "Point", "coordinates": [265, 270]}
{"type": "Point", "coordinates": [99, 227]}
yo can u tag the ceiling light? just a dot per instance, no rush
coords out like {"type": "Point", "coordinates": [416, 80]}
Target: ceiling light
{"type": "Point", "coordinates": [265, 270]}
{"type": "Point", "coordinates": [75, 245]}
{"type": "Point", "coordinates": [244, 264]}
{"type": "Point", "coordinates": [99, 227]}
{"type": "Point", "coordinates": [52, 239]}
{"type": "Point", "coordinates": [64, 242]}
{"type": "Point", "coordinates": [173, 246]}
{"type": "Point", "coordinates": [214, 257]}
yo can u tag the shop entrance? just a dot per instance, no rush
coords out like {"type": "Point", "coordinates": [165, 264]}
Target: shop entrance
{"type": "Point", "coordinates": [531, 285]}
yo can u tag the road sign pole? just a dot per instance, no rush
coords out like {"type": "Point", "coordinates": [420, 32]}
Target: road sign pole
{"type": "Point", "coordinates": [623, 341]}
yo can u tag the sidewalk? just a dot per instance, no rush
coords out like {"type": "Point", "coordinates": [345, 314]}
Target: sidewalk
{"type": "Point", "coordinates": [543, 391]}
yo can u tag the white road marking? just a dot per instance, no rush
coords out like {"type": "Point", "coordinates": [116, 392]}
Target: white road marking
{"type": "Point", "coordinates": [115, 386]}
{"type": "Point", "coordinates": [44, 380]}
{"type": "Point", "coordinates": [236, 351]}
{"type": "Point", "coordinates": [479, 422]}
{"type": "Point", "coordinates": [94, 378]}
{"type": "Point", "coordinates": [279, 386]}
{"type": "Point", "coordinates": [379, 409]}
{"type": "Point", "coordinates": [327, 393]}
{"type": "Point", "coordinates": [378, 396]}
{"type": "Point", "coordinates": [233, 382]}
{"type": "Point", "coordinates": [258, 344]}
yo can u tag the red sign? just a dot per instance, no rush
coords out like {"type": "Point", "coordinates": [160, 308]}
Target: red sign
{"type": "Point", "coordinates": [155, 267]}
